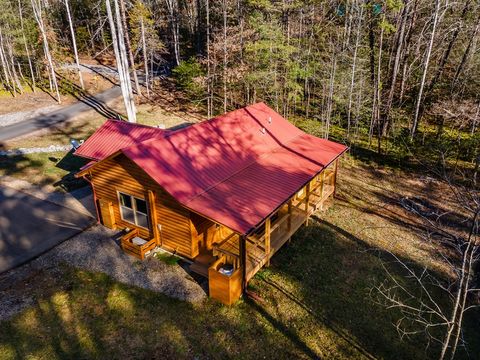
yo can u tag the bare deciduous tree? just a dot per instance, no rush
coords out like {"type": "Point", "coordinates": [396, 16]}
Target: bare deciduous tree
{"type": "Point", "coordinates": [426, 63]}
{"type": "Point", "coordinates": [459, 249]}
{"type": "Point", "coordinates": [38, 13]}
{"type": "Point", "coordinates": [74, 44]}
{"type": "Point", "coordinates": [121, 59]}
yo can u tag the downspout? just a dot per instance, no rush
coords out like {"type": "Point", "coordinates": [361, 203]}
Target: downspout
{"type": "Point", "coordinates": [94, 198]}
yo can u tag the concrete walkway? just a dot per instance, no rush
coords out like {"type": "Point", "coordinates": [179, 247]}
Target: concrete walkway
{"type": "Point", "coordinates": [30, 226]}
{"type": "Point", "coordinates": [85, 103]}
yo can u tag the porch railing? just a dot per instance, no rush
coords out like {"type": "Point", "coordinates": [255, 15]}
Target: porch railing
{"type": "Point", "coordinates": [276, 230]}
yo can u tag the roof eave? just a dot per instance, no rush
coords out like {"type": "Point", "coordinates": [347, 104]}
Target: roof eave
{"type": "Point", "coordinates": [261, 222]}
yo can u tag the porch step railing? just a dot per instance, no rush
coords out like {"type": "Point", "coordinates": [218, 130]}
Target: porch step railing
{"type": "Point", "coordinates": [138, 251]}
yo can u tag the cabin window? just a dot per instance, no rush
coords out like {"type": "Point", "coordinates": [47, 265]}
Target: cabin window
{"type": "Point", "coordinates": [133, 210]}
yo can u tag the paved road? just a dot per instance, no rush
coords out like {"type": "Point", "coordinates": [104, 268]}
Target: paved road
{"type": "Point", "coordinates": [84, 104]}
{"type": "Point", "coordinates": [30, 226]}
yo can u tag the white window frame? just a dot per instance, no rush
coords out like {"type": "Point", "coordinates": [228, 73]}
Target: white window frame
{"type": "Point", "coordinates": [134, 209]}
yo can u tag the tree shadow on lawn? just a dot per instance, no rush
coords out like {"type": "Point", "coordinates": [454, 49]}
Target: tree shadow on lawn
{"type": "Point", "coordinates": [330, 274]}
{"type": "Point", "coordinates": [324, 272]}
{"type": "Point", "coordinates": [426, 212]}
{"type": "Point", "coordinates": [95, 317]}
{"type": "Point", "coordinates": [72, 164]}
{"type": "Point", "coordinates": [22, 165]}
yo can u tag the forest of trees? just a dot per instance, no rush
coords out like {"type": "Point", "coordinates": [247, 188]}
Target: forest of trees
{"type": "Point", "coordinates": [397, 78]}
{"type": "Point", "coordinates": [392, 72]}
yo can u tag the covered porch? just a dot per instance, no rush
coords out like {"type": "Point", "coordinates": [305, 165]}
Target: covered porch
{"type": "Point", "coordinates": [268, 238]}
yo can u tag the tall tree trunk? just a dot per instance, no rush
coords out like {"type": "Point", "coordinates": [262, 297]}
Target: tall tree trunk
{"type": "Point", "coordinates": [378, 89]}
{"type": "Point", "coordinates": [121, 59]}
{"type": "Point", "coordinates": [354, 65]}
{"type": "Point", "coordinates": [74, 43]}
{"type": "Point", "coordinates": [145, 57]}
{"type": "Point", "coordinates": [128, 46]}
{"type": "Point", "coordinates": [224, 3]}
{"type": "Point", "coordinates": [464, 290]}
{"type": "Point", "coordinates": [172, 6]}
{"type": "Point", "coordinates": [209, 75]}
{"type": "Point", "coordinates": [396, 68]}
{"type": "Point", "coordinates": [371, 44]}
{"type": "Point", "coordinates": [37, 11]}
{"type": "Point", "coordinates": [358, 108]}
{"type": "Point", "coordinates": [330, 94]}
{"type": "Point", "coordinates": [13, 67]}
{"type": "Point", "coordinates": [416, 118]}
{"type": "Point", "coordinates": [241, 23]}
{"type": "Point", "coordinates": [406, 49]}
{"type": "Point", "coordinates": [33, 86]}
{"type": "Point", "coordinates": [465, 272]}
{"type": "Point", "coordinates": [6, 71]}
{"type": "Point", "coordinates": [448, 51]}
{"type": "Point", "coordinates": [466, 54]}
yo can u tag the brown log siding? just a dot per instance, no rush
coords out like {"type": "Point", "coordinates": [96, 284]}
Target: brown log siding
{"type": "Point", "coordinates": [121, 174]}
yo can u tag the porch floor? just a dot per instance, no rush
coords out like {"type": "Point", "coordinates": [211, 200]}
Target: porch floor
{"type": "Point", "coordinates": [256, 255]}
{"type": "Point", "coordinates": [281, 231]}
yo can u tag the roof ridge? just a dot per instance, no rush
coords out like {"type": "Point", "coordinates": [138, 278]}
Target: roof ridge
{"type": "Point", "coordinates": [209, 121]}
{"type": "Point", "coordinates": [243, 168]}
{"type": "Point", "coordinates": [124, 122]}
{"type": "Point", "coordinates": [173, 132]}
{"type": "Point", "coordinates": [265, 154]}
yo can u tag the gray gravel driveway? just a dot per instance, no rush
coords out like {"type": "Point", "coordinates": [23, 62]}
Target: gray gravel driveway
{"type": "Point", "coordinates": [97, 249]}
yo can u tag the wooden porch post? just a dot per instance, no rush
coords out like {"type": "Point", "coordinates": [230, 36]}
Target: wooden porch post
{"type": "Point", "coordinates": [153, 216]}
{"type": "Point", "coordinates": [335, 178]}
{"type": "Point", "coordinates": [289, 215]}
{"type": "Point", "coordinates": [243, 262]}
{"type": "Point", "coordinates": [307, 204]}
{"type": "Point", "coordinates": [267, 240]}
{"type": "Point", "coordinates": [322, 179]}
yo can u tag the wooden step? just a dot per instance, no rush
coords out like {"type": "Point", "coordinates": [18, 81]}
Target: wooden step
{"type": "Point", "coordinates": [199, 268]}
{"type": "Point", "coordinates": [205, 258]}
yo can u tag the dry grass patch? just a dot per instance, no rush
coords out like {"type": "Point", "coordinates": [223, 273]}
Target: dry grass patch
{"type": "Point", "coordinates": [374, 198]}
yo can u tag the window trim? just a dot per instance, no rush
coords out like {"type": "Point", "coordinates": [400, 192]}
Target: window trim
{"type": "Point", "coordinates": [134, 209]}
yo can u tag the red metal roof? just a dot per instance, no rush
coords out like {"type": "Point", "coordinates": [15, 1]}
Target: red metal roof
{"type": "Point", "coordinates": [235, 169]}
{"type": "Point", "coordinates": [114, 135]}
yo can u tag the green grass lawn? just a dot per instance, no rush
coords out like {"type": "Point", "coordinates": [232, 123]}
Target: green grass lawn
{"type": "Point", "coordinates": [317, 303]}
{"type": "Point", "coordinates": [55, 169]}
{"type": "Point", "coordinates": [318, 297]}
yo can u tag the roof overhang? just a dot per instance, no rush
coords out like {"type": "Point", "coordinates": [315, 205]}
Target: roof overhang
{"type": "Point", "coordinates": [237, 169]}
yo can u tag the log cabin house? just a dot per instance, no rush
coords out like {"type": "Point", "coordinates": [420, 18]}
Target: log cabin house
{"type": "Point", "coordinates": [225, 193]}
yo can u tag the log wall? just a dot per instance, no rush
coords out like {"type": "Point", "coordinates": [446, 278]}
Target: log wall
{"type": "Point", "coordinates": [121, 174]}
